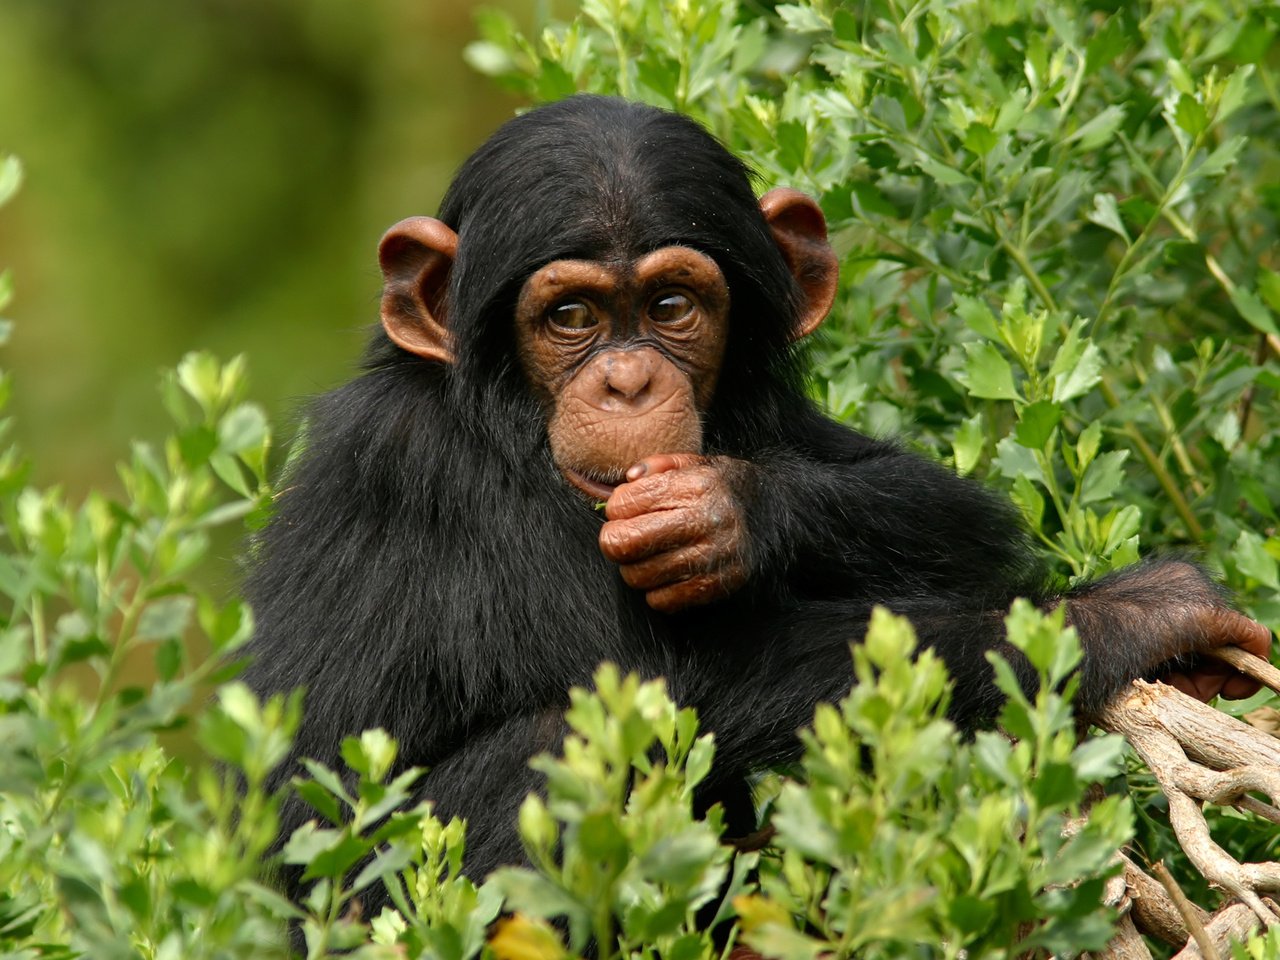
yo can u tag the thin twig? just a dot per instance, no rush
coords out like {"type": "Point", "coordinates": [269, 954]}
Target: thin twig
{"type": "Point", "coordinates": [1187, 910]}
{"type": "Point", "coordinates": [1249, 665]}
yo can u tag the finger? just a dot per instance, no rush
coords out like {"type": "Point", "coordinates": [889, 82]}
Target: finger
{"type": "Point", "coordinates": [688, 593]}
{"type": "Point", "coordinates": [1240, 687]}
{"type": "Point", "coordinates": [671, 490]}
{"type": "Point", "coordinates": [1204, 687]}
{"type": "Point", "coordinates": [663, 463]}
{"type": "Point", "coordinates": [1182, 683]}
{"type": "Point", "coordinates": [630, 541]}
{"type": "Point", "coordinates": [1226, 627]}
{"type": "Point", "coordinates": [670, 567]}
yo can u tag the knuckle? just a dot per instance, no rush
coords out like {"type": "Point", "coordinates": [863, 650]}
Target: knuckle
{"type": "Point", "coordinates": [636, 577]}
{"type": "Point", "coordinates": [616, 539]}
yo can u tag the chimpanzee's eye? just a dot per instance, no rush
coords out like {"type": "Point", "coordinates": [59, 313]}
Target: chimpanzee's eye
{"type": "Point", "coordinates": [670, 307]}
{"type": "Point", "coordinates": [573, 315]}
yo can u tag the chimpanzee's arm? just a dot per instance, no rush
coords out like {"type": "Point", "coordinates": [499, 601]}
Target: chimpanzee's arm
{"type": "Point", "coordinates": [884, 523]}
{"type": "Point", "coordinates": [870, 523]}
{"type": "Point", "coordinates": [911, 535]}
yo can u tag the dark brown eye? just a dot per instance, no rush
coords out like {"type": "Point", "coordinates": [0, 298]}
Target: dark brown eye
{"type": "Point", "coordinates": [572, 316]}
{"type": "Point", "coordinates": [670, 307]}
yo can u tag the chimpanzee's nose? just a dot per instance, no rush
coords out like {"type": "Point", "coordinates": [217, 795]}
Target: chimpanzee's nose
{"type": "Point", "coordinates": [628, 373]}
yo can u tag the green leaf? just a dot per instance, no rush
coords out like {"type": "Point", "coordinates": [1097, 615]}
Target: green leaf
{"type": "Point", "coordinates": [1029, 500]}
{"type": "Point", "coordinates": [10, 178]}
{"type": "Point", "coordinates": [1249, 306]}
{"type": "Point", "coordinates": [970, 913]}
{"type": "Point", "coordinates": [1055, 786]}
{"type": "Point", "coordinates": [386, 863]}
{"type": "Point", "coordinates": [979, 139]}
{"type": "Point", "coordinates": [798, 19]}
{"type": "Point", "coordinates": [948, 176]}
{"type": "Point", "coordinates": [987, 373]}
{"type": "Point", "coordinates": [683, 858]}
{"type": "Point", "coordinates": [244, 428]}
{"type": "Point", "coordinates": [1088, 444]}
{"type": "Point", "coordinates": [803, 828]}
{"type": "Point", "coordinates": [1269, 288]}
{"type": "Point", "coordinates": [328, 779]}
{"type": "Point", "coordinates": [488, 58]}
{"type": "Point", "coordinates": [1253, 559]}
{"type": "Point", "coordinates": [371, 754]}
{"type": "Point", "coordinates": [165, 618]}
{"type": "Point", "coordinates": [1036, 423]}
{"type": "Point", "coordinates": [977, 316]}
{"type": "Point", "coordinates": [320, 800]}
{"type": "Point", "coordinates": [1109, 42]}
{"type": "Point", "coordinates": [1103, 477]}
{"type": "Point", "coordinates": [1082, 377]}
{"type": "Point", "coordinates": [1107, 214]}
{"type": "Point", "coordinates": [1099, 757]}
{"type": "Point", "coordinates": [1235, 92]}
{"type": "Point", "coordinates": [199, 375]}
{"type": "Point", "coordinates": [326, 853]}
{"type": "Point", "coordinates": [968, 444]}
{"type": "Point", "coordinates": [792, 144]}
{"type": "Point", "coordinates": [1015, 460]}
{"type": "Point", "coordinates": [846, 25]}
{"type": "Point", "coordinates": [1190, 116]}
{"type": "Point", "coordinates": [1099, 130]}
{"type": "Point", "coordinates": [1123, 525]}
{"type": "Point", "coordinates": [196, 444]}
{"type": "Point", "coordinates": [871, 200]}
{"type": "Point", "coordinates": [1180, 78]}
{"type": "Point", "coordinates": [1222, 158]}
{"type": "Point", "coordinates": [527, 892]}
{"type": "Point", "coordinates": [169, 658]}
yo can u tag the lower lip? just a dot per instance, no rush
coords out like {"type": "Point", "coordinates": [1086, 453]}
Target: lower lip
{"type": "Point", "coordinates": [592, 488]}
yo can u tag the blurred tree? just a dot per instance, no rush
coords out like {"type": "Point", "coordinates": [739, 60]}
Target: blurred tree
{"type": "Point", "coordinates": [213, 173]}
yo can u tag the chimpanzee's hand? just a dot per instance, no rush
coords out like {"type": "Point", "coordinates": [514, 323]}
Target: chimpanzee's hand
{"type": "Point", "coordinates": [1161, 617]}
{"type": "Point", "coordinates": [1211, 678]}
{"type": "Point", "coordinates": [676, 530]}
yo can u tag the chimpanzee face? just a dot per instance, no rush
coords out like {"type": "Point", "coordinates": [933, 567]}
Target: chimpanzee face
{"type": "Point", "coordinates": [624, 357]}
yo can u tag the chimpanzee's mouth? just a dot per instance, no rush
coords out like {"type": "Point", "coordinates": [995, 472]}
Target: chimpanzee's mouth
{"type": "Point", "coordinates": [595, 489]}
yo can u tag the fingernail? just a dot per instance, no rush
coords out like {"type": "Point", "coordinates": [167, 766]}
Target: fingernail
{"type": "Point", "coordinates": [638, 471]}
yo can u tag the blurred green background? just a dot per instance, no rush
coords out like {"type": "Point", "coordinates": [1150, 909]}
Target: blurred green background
{"type": "Point", "coordinates": [213, 174]}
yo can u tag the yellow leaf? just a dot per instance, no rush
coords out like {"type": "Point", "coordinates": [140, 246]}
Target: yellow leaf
{"type": "Point", "coordinates": [756, 912]}
{"type": "Point", "coordinates": [521, 938]}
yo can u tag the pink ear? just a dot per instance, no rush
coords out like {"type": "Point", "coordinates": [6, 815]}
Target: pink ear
{"type": "Point", "coordinates": [416, 256]}
{"type": "Point", "coordinates": [800, 231]}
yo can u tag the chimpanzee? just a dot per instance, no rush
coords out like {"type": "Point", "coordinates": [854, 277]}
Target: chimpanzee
{"type": "Point", "coordinates": [604, 312]}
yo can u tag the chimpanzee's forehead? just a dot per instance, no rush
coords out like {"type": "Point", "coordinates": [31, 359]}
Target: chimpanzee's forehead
{"type": "Point", "coordinates": [596, 158]}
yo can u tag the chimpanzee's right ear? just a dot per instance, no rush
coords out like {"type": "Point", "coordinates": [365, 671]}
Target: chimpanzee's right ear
{"type": "Point", "coordinates": [416, 256]}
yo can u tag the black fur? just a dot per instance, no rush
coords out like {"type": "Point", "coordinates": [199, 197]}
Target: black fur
{"type": "Point", "coordinates": [429, 571]}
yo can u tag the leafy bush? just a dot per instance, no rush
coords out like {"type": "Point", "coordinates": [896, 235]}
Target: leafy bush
{"type": "Point", "coordinates": [1057, 227]}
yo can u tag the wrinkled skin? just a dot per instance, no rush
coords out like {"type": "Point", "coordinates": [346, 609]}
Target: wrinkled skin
{"type": "Point", "coordinates": [676, 530]}
{"type": "Point", "coordinates": [624, 358]}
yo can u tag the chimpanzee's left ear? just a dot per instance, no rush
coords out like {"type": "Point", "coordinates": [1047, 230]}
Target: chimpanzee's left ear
{"type": "Point", "coordinates": [800, 231]}
{"type": "Point", "coordinates": [416, 256]}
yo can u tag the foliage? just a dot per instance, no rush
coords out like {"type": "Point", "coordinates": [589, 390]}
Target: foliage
{"type": "Point", "coordinates": [899, 838]}
{"type": "Point", "coordinates": [110, 846]}
{"type": "Point", "coordinates": [1057, 227]}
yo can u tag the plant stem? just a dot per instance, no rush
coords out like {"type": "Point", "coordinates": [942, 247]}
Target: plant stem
{"type": "Point", "coordinates": [1130, 254]}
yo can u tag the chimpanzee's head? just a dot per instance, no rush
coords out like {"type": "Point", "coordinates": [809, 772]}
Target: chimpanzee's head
{"type": "Point", "coordinates": [615, 257]}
